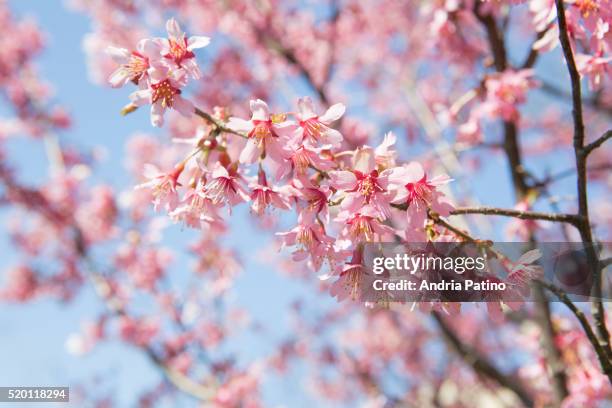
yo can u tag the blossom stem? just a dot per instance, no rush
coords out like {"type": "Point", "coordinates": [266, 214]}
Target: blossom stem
{"type": "Point", "coordinates": [217, 123]}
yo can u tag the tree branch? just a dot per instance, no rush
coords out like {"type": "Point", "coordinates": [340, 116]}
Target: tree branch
{"type": "Point", "coordinates": [480, 364]}
{"type": "Point", "coordinates": [523, 215]}
{"type": "Point", "coordinates": [588, 149]}
{"type": "Point", "coordinates": [604, 361]}
{"type": "Point", "coordinates": [580, 154]}
{"type": "Point", "coordinates": [549, 347]}
{"type": "Point", "coordinates": [217, 123]}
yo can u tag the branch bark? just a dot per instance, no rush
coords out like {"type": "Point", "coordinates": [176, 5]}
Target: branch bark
{"type": "Point", "coordinates": [581, 153]}
{"type": "Point", "coordinates": [523, 215]}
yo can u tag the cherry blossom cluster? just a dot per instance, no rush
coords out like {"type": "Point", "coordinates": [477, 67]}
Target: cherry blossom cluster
{"type": "Point", "coordinates": [160, 68]}
{"type": "Point", "coordinates": [342, 198]}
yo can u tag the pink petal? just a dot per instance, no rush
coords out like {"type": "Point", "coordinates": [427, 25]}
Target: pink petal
{"type": "Point", "coordinates": [260, 110]}
{"type": "Point", "coordinates": [352, 203]}
{"type": "Point", "coordinates": [220, 171]}
{"type": "Point", "coordinates": [332, 137]}
{"type": "Point", "coordinates": [342, 180]}
{"type": "Point", "coordinates": [174, 29]}
{"type": "Point", "coordinates": [119, 77]}
{"type": "Point", "coordinates": [240, 125]}
{"type": "Point", "coordinates": [149, 48]}
{"type": "Point", "coordinates": [414, 172]}
{"type": "Point", "coordinates": [334, 113]}
{"type": "Point", "coordinates": [306, 108]}
{"type": "Point", "coordinates": [183, 106]}
{"type": "Point", "coordinates": [141, 97]}
{"type": "Point", "coordinates": [251, 152]}
{"type": "Point", "coordinates": [157, 114]}
{"type": "Point", "coordinates": [197, 41]}
{"type": "Point", "coordinates": [119, 55]}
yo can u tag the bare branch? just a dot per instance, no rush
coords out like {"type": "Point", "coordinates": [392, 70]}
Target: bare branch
{"type": "Point", "coordinates": [605, 362]}
{"type": "Point", "coordinates": [549, 347]}
{"type": "Point", "coordinates": [588, 149]}
{"type": "Point", "coordinates": [480, 364]}
{"type": "Point", "coordinates": [523, 215]}
{"type": "Point", "coordinates": [580, 156]}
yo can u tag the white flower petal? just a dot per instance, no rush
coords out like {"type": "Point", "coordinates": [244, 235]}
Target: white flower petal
{"type": "Point", "coordinates": [197, 41]}
{"type": "Point", "coordinates": [334, 113]}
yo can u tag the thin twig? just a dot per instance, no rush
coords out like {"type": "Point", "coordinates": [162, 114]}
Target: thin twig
{"type": "Point", "coordinates": [588, 149]}
{"type": "Point", "coordinates": [217, 123]}
{"type": "Point", "coordinates": [523, 215]}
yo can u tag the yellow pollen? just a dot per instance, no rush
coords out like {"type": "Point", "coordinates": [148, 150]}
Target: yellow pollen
{"type": "Point", "coordinates": [261, 132]}
{"type": "Point", "coordinates": [587, 6]}
{"type": "Point", "coordinates": [165, 92]}
{"type": "Point", "coordinates": [306, 237]}
{"type": "Point", "coordinates": [353, 282]}
{"type": "Point", "coordinates": [301, 162]}
{"type": "Point", "coordinates": [278, 117]}
{"type": "Point", "coordinates": [367, 187]}
{"type": "Point", "coordinates": [136, 66]}
{"type": "Point", "coordinates": [364, 228]}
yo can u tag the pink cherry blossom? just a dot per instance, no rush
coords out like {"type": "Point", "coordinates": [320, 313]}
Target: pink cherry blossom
{"type": "Point", "coordinates": [315, 129]}
{"type": "Point", "coordinates": [364, 225]}
{"type": "Point", "coordinates": [419, 194]}
{"type": "Point", "coordinates": [263, 196]}
{"type": "Point", "coordinates": [135, 65]}
{"type": "Point", "coordinates": [363, 189]}
{"type": "Point", "coordinates": [163, 186]}
{"type": "Point", "coordinates": [506, 91]}
{"type": "Point", "coordinates": [593, 67]}
{"type": "Point", "coordinates": [266, 133]}
{"type": "Point", "coordinates": [311, 239]}
{"type": "Point", "coordinates": [137, 331]}
{"type": "Point", "coordinates": [224, 187]}
{"type": "Point", "coordinates": [164, 92]}
{"type": "Point", "coordinates": [178, 49]}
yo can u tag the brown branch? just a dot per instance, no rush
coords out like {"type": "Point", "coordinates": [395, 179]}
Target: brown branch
{"type": "Point", "coordinates": [533, 55]}
{"type": "Point", "coordinates": [588, 149]}
{"type": "Point", "coordinates": [580, 154]}
{"type": "Point", "coordinates": [549, 347]}
{"type": "Point", "coordinates": [217, 123]}
{"type": "Point", "coordinates": [523, 215]}
{"type": "Point", "coordinates": [511, 146]}
{"type": "Point", "coordinates": [480, 364]}
{"type": "Point", "coordinates": [605, 362]}
{"type": "Point", "coordinates": [289, 55]}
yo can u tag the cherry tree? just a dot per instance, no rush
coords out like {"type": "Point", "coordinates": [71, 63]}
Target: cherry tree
{"type": "Point", "coordinates": [331, 125]}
